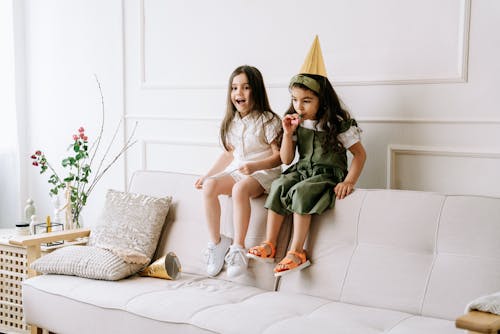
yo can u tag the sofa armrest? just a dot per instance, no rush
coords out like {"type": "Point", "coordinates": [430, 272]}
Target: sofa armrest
{"type": "Point", "coordinates": [33, 243]}
{"type": "Point", "coordinates": [479, 322]}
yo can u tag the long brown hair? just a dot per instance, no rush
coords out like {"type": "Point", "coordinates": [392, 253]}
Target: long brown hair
{"type": "Point", "coordinates": [330, 113]}
{"type": "Point", "coordinates": [258, 95]}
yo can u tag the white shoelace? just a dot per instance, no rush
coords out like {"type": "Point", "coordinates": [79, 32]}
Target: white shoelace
{"type": "Point", "coordinates": [209, 255]}
{"type": "Point", "coordinates": [235, 257]}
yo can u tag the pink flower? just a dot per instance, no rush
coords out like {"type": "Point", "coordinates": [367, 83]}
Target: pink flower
{"type": "Point", "coordinates": [75, 137]}
{"type": "Point", "coordinates": [38, 152]}
{"type": "Point", "coordinates": [35, 163]}
{"type": "Point", "coordinates": [81, 129]}
{"type": "Point", "coordinates": [85, 138]}
{"type": "Point", "coordinates": [82, 135]}
{"type": "Point", "coordinates": [33, 156]}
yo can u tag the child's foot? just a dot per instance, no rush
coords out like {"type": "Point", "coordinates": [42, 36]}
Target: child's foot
{"type": "Point", "coordinates": [237, 263]}
{"type": "Point", "coordinates": [215, 255]}
{"type": "Point", "coordinates": [264, 252]}
{"type": "Point", "coordinates": [292, 262]}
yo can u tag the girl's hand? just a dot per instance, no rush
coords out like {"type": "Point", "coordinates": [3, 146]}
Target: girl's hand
{"type": "Point", "coordinates": [248, 168]}
{"type": "Point", "coordinates": [290, 123]}
{"type": "Point", "coordinates": [343, 189]}
{"type": "Point", "coordinates": [199, 183]}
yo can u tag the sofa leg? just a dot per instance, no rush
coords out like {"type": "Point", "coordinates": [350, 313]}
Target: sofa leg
{"type": "Point", "coordinates": [36, 330]}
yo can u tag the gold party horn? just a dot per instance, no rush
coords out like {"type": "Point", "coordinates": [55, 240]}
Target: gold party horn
{"type": "Point", "coordinates": [167, 267]}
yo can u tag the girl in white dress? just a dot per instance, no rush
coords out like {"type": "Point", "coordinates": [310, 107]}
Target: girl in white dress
{"type": "Point", "coordinates": [251, 134]}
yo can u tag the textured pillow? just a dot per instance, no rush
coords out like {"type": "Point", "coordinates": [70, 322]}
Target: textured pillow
{"type": "Point", "coordinates": [85, 261]}
{"type": "Point", "coordinates": [130, 225]}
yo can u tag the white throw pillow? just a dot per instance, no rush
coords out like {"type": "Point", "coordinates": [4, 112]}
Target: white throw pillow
{"type": "Point", "coordinates": [85, 261]}
{"type": "Point", "coordinates": [130, 225]}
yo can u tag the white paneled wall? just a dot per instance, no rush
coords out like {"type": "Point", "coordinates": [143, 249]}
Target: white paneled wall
{"type": "Point", "coordinates": [451, 169]}
{"type": "Point", "coordinates": [420, 77]}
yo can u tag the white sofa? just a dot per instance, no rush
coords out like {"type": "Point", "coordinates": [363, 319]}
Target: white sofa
{"type": "Point", "coordinates": [384, 261]}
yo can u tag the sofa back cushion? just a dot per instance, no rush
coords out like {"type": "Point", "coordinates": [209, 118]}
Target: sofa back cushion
{"type": "Point", "coordinates": [410, 251]}
{"type": "Point", "coordinates": [259, 274]}
{"type": "Point", "coordinates": [467, 261]}
{"type": "Point", "coordinates": [185, 231]}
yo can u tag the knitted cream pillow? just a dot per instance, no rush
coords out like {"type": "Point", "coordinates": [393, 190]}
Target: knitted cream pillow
{"type": "Point", "coordinates": [131, 225]}
{"type": "Point", "coordinates": [85, 261]}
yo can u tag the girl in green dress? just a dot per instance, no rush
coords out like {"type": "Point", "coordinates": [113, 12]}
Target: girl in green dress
{"type": "Point", "coordinates": [322, 131]}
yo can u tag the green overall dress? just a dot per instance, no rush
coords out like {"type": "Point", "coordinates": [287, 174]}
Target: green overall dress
{"type": "Point", "coordinates": [307, 187]}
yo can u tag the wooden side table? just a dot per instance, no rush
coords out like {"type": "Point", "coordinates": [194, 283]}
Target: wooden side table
{"type": "Point", "coordinates": [13, 270]}
{"type": "Point", "coordinates": [16, 254]}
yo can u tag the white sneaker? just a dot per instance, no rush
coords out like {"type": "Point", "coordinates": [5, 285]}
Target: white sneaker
{"type": "Point", "coordinates": [236, 260]}
{"type": "Point", "coordinates": [215, 255]}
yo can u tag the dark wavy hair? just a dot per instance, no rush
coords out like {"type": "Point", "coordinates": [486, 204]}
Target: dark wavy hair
{"type": "Point", "coordinates": [259, 100]}
{"type": "Point", "coordinates": [331, 112]}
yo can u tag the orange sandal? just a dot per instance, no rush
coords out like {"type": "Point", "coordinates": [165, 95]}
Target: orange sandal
{"type": "Point", "coordinates": [259, 252]}
{"type": "Point", "coordinates": [287, 265]}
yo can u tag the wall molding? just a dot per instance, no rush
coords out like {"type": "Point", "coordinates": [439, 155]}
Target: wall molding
{"type": "Point", "coordinates": [462, 54]}
{"type": "Point", "coordinates": [381, 120]}
{"type": "Point", "coordinates": [172, 118]}
{"type": "Point", "coordinates": [428, 120]}
{"type": "Point", "coordinates": [394, 150]}
{"type": "Point", "coordinates": [145, 143]}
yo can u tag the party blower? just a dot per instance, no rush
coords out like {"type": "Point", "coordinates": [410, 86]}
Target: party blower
{"type": "Point", "coordinates": [167, 267]}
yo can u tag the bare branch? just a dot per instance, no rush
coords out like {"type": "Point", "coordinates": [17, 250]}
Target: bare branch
{"type": "Point", "coordinates": [97, 143]}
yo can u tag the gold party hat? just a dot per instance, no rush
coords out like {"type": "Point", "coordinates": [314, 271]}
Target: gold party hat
{"type": "Point", "coordinates": [167, 267]}
{"type": "Point", "coordinates": [314, 63]}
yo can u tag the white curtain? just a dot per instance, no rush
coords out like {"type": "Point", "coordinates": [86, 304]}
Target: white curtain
{"type": "Point", "coordinates": [10, 204]}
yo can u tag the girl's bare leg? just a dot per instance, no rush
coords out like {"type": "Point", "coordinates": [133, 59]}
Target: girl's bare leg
{"type": "Point", "coordinates": [212, 188]}
{"type": "Point", "coordinates": [242, 192]}
{"type": "Point", "coordinates": [301, 225]}
{"type": "Point", "coordinates": [274, 222]}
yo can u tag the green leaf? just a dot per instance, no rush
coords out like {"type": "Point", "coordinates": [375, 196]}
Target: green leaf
{"type": "Point", "coordinates": [70, 178]}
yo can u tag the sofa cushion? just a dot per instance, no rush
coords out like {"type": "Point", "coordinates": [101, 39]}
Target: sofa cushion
{"type": "Point", "coordinates": [276, 313]}
{"type": "Point", "coordinates": [157, 300]}
{"type": "Point", "coordinates": [211, 305]}
{"type": "Point", "coordinates": [467, 263]}
{"type": "Point", "coordinates": [85, 261]}
{"type": "Point", "coordinates": [419, 252]}
{"type": "Point", "coordinates": [130, 225]}
{"type": "Point", "coordinates": [388, 236]}
{"type": "Point", "coordinates": [184, 232]}
{"type": "Point", "coordinates": [258, 274]}
{"type": "Point", "coordinates": [186, 221]}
